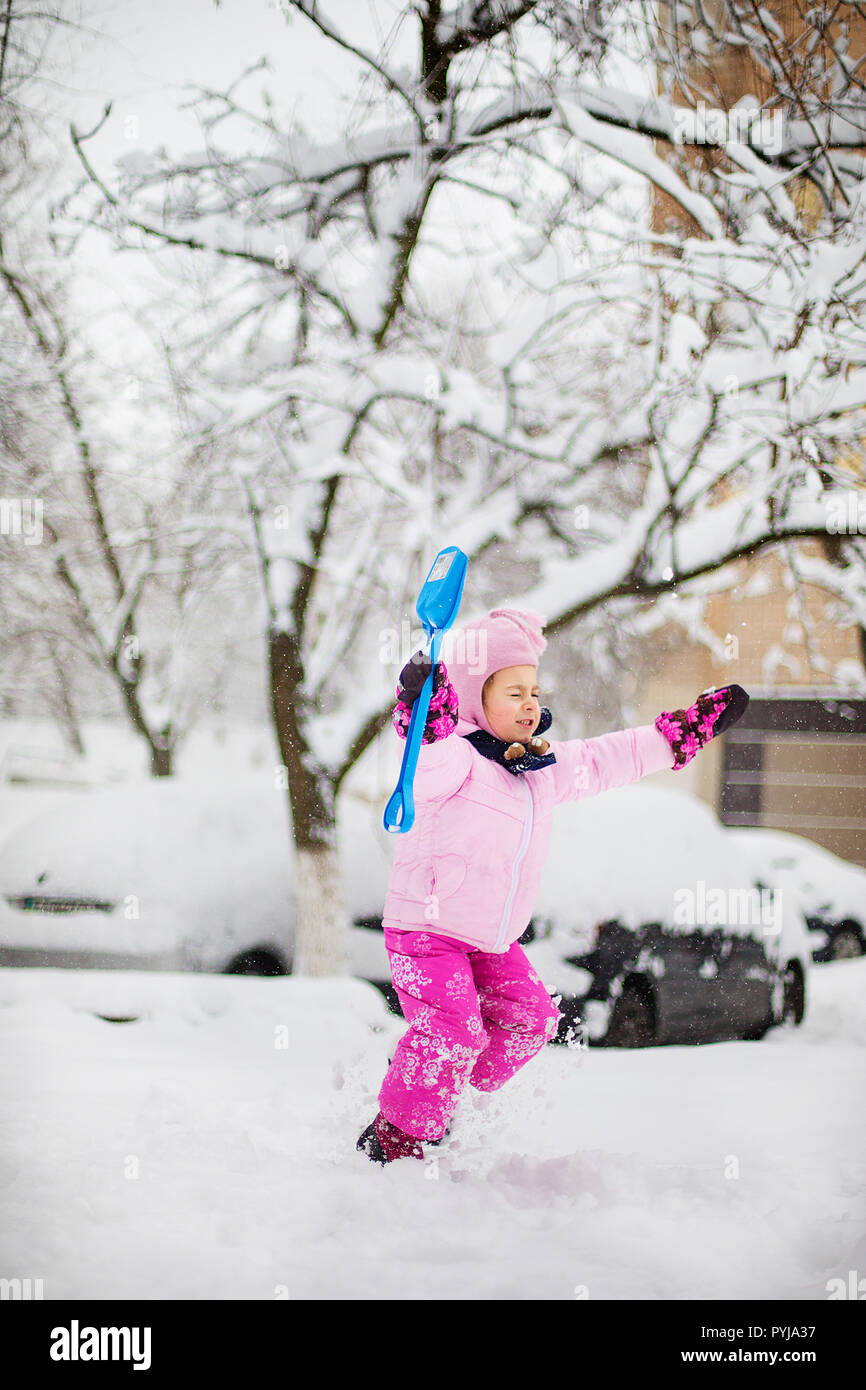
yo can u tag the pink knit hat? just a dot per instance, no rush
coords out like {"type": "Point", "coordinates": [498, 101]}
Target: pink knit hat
{"type": "Point", "coordinates": [506, 637]}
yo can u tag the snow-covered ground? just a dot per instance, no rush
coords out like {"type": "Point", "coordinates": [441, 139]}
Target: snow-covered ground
{"type": "Point", "coordinates": [207, 1151]}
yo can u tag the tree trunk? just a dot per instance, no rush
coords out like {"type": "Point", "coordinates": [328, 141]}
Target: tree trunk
{"type": "Point", "coordinates": [321, 934]}
{"type": "Point", "coordinates": [65, 710]}
{"type": "Point", "coordinates": [160, 742]}
{"type": "Point", "coordinates": [160, 759]}
{"type": "Point", "coordinates": [320, 941]}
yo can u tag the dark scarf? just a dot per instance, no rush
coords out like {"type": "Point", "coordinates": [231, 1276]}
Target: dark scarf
{"type": "Point", "coordinates": [494, 748]}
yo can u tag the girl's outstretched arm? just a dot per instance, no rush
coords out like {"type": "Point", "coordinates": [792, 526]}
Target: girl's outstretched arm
{"type": "Point", "coordinates": [585, 767]}
{"type": "Point", "coordinates": [588, 766]}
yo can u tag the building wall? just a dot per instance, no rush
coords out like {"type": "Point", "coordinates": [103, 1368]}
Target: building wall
{"type": "Point", "coordinates": [726, 75]}
{"type": "Point", "coordinates": [777, 641]}
{"type": "Point", "coordinates": [780, 643]}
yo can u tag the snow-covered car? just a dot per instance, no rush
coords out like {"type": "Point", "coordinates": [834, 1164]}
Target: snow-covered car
{"type": "Point", "coordinates": [650, 926]}
{"type": "Point", "coordinates": [39, 766]}
{"type": "Point", "coordinates": [165, 874]}
{"type": "Point", "coordinates": [830, 892]}
{"type": "Point", "coordinates": [155, 875]}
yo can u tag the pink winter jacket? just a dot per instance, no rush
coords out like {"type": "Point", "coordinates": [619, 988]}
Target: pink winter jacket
{"type": "Point", "coordinates": [471, 864]}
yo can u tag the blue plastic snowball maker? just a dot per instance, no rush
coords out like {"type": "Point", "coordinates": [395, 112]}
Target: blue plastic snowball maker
{"type": "Point", "coordinates": [437, 607]}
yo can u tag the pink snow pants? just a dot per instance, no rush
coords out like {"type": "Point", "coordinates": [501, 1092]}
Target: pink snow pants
{"type": "Point", "coordinates": [474, 1016]}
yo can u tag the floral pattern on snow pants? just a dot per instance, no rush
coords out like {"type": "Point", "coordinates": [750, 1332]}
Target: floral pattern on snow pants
{"type": "Point", "coordinates": [474, 1016]}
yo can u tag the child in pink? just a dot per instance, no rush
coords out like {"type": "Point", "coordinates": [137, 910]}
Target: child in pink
{"type": "Point", "coordinates": [465, 877]}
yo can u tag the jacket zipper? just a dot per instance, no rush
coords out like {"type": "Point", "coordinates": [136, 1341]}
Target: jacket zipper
{"type": "Point", "coordinates": [527, 830]}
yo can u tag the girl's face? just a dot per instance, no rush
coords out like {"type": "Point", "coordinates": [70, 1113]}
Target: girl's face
{"type": "Point", "coordinates": [511, 703]}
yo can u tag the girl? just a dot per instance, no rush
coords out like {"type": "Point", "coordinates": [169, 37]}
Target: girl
{"type": "Point", "coordinates": [464, 878]}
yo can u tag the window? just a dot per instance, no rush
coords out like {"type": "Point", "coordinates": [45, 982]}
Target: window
{"type": "Point", "coordinates": [799, 764]}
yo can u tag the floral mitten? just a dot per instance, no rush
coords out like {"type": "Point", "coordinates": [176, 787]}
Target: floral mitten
{"type": "Point", "coordinates": [442, 713]}
{"type": "Point", "coordinates": [688, 730]}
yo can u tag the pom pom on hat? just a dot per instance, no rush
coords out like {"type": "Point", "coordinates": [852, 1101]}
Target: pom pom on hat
{"type": "Point", "coordinates": [506, 637]}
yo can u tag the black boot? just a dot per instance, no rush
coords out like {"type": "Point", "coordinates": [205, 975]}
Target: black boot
{"type": "Point", "coordinates": [370, 1142]}
{"type": "Point", "coordinates": [384, 1142]}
